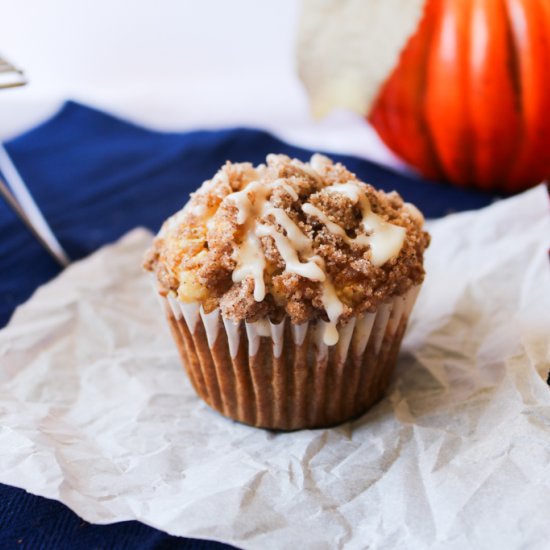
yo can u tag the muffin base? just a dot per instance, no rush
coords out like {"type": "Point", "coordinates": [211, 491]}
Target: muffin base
{"type": "Point", "coordinates": [283, 377]}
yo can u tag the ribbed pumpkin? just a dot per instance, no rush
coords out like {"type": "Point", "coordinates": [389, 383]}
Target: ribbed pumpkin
{"type": "Point", "coordinates": [469, 101]}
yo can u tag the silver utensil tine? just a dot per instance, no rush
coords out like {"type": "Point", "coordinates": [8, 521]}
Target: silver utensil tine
{"type": "Point", "coordinates": [10, 76]}
{"type": "Point", "coordinates": [13, 188]}
{"type": "Point", "coordinates": [27, 209]}
{"type": "Point", "coordinates": [10, 199]}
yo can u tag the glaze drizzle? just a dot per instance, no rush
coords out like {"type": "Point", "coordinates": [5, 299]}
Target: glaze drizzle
{"type": "Point", "coordinates": [384, 240]}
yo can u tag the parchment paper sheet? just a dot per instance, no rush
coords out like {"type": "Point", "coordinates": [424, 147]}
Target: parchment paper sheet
{"type": "Point", "coordinates": [95, 410]}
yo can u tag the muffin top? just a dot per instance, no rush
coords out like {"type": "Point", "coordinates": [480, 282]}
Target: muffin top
{"type": "Point", "coordinates": [309, 240]}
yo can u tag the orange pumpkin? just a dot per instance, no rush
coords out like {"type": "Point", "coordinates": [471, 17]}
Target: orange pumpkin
{"type": "Point", "coordinates": [469, 101]}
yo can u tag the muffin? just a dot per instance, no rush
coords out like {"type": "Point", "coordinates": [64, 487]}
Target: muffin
{"type": "Point", "coordinates": [288, 287]}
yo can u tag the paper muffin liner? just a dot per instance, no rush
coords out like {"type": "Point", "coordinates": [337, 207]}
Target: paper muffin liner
{"type": "Point", "coordinates": [283, 376]}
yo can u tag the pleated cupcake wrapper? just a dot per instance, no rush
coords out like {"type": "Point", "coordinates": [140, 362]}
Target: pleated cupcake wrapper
{"type": "Point", "coordinates": [283, 376]}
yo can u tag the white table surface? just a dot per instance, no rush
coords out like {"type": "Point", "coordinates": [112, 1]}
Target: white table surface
{"type": "Point", "coordinates": [170, 65]}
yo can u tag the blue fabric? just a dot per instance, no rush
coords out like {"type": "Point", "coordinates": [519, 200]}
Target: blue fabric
{"type": "Point", "coordinates": [95, 177]}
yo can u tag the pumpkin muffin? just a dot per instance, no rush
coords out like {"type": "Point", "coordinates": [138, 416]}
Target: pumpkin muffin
{"type": "Point", "coordinates": [288, 287]}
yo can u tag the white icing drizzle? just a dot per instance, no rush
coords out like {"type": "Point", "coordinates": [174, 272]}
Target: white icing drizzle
{"type": "Point", "coordinates": [318, 162]}
{"type": "Point", "coordinates": [334, 228]}
{"type": "Point", "coordinates": [385, 241]}
{"type": "Point", "coordinates": [351, 190]}
{"type": "Point", "coordinates": [294, 233]}
{"type": "Point", "coordinates": [251, 262]}
{"type": "Point", "coordinates": [334, 308]}
{"type": "Point", "coordinates": [290, 190]}
{"type": "Point", "coordinates": [250, 200]}
{"type": "Point", "coordinates": [309, 269]}
{"type": "Point", "coordinates": [252, 205]}
{"type": "Point", "coordinates": [313, 268]}
{"type": "Point", "coordinates": [250, 258]}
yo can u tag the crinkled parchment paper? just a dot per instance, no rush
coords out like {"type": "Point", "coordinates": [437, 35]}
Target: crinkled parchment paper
{"type": "Point", "coordinates": [95, 410]}
{"type": "Point", "coordinates": [346, 49]}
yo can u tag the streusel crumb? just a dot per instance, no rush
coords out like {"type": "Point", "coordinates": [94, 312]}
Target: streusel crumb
{"type": "Point", "coordinates": [304, 239]}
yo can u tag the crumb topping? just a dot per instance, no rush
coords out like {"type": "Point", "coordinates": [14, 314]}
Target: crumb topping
{"type": "Point", "coordinates": [304, 239]}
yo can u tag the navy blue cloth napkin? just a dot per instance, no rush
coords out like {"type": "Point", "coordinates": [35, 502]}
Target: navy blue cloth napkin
{"type": "Point", "coordinates": [95, 177]}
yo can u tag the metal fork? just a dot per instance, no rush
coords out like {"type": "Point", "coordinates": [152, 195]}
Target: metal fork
{"type": "Point", "coordinates": [13, 188]}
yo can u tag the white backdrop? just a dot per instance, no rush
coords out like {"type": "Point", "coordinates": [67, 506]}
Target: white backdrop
{"type": "Point", "coordinates": [170, 65]}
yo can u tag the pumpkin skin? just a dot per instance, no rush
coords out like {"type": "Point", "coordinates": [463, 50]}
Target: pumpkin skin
{"type": "Point", "coordinates": [469, 101]}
